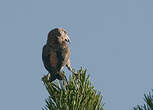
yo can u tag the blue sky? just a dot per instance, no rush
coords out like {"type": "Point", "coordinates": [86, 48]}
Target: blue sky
{"type": "Point", "coordinates": [111, 38]}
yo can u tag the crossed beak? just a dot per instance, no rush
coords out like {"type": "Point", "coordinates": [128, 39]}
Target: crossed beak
{"type": "Point", "coordinates": [68, 39]}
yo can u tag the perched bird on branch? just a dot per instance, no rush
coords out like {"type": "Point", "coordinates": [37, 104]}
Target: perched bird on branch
{"type": "Point", "coordinates": [56, 54]}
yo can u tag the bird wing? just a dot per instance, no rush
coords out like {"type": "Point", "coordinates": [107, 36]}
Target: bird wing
{"type": "Point", "coordinates": [45, 57]}
{"type": "Point", "coordinates": [55, 60]}
{"type": "Point", "coordinates": [49, 58]}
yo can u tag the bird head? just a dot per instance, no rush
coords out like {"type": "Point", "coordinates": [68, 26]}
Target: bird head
{"type": "Point", "coordinates": [60, 34]}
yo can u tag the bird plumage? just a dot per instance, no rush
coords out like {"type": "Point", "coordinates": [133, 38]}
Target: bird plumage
{"type": "Point", "coordinates": [56, 54]}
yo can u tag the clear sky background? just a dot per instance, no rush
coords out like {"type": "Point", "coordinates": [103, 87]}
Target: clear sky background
{"type": "Point", "coordinates": [113, 39]}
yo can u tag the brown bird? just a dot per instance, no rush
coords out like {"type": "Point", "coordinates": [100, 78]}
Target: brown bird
{"type": "Point", "coordinates": [56, 54]}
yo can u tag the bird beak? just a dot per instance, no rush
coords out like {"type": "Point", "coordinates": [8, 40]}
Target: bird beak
{"type": "Point", "coordinates": [68, 39]}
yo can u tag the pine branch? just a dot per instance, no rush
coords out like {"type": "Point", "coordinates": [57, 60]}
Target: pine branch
{"type": "Point", "coordinates": [148, 102]}
{"type": "Point", "coordinates": [79, 94]}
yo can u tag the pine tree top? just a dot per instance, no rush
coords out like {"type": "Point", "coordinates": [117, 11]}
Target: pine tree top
{"type": "Point", "coordinates": [78, 95]}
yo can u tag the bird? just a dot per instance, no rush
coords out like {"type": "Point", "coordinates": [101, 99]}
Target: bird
{"type": "Point", "coordinates": [56, 55]}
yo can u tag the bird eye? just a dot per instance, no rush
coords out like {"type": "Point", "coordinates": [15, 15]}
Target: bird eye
{"type": "Point", "coordinates": [62, 32]}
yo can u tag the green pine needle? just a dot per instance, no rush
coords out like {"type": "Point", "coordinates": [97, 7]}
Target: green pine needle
{"type": "Point", "coordinates": [148, 102]}
{"type": "Point", "coordinates": [79, 94]}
